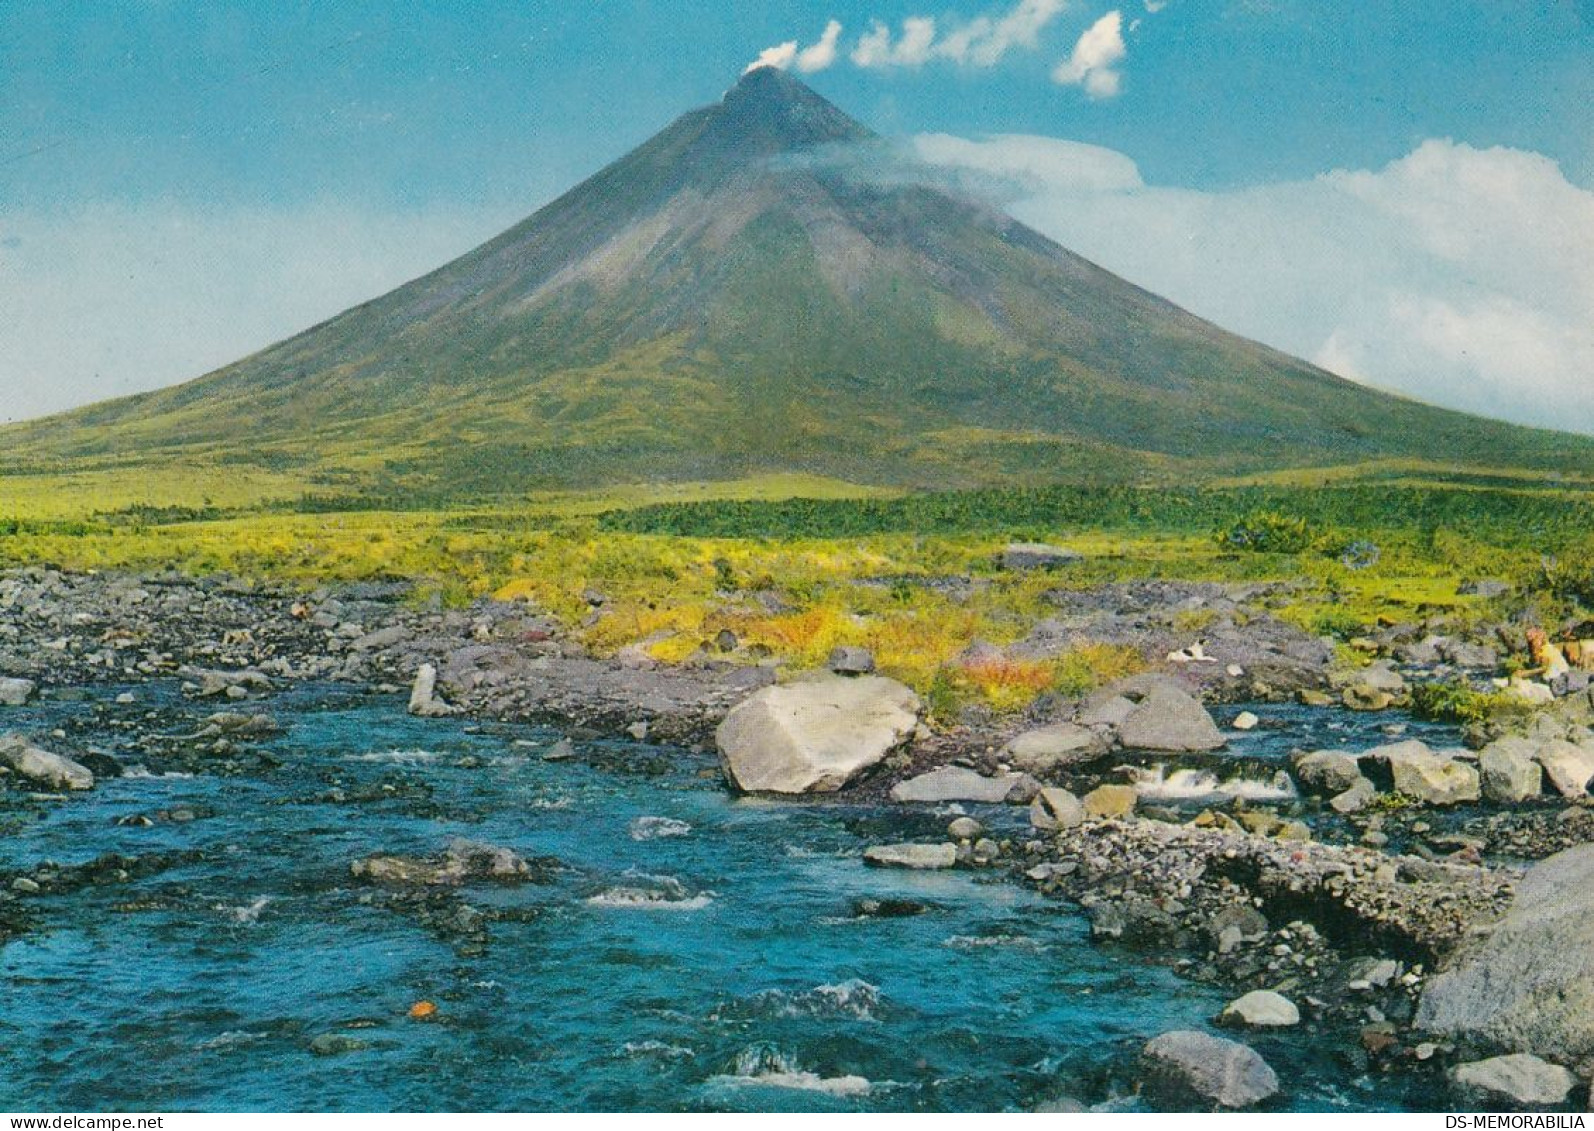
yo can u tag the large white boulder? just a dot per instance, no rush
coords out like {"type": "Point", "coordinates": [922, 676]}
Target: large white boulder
{"type": "Point", "coordinates": [814, 735]}
{"type": "Point", "coordinates": [1169, 719]}
{"type": "Point", "coordinates": [1528, 985]}
{"type": "Point", "coordinates": [54, 771]}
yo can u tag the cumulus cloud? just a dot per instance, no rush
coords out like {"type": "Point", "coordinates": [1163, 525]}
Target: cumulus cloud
{"type": "Point", "coordinates": [1458, 275]}
{"type": "Point", "coordinates": [1093, 64]}
{"type": "Point", "coordinates": [116, 299]}
{"type": "Point", "coordinates": [809, 60]}
{"type": "Point", "coordinates": [980, 42]}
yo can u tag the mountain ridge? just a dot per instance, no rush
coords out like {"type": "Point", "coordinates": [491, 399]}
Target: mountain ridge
{"type": "Point", "coordinates": [705, 307]}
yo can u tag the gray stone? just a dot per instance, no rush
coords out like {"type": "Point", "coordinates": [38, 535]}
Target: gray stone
{"type": "Point", "coordinates": [1055, 809]}
{"type": "Point", "coordinates": [423, 694]}
{"type": "Point", "coordinates": [1381, 677]}
{"type": "Point", "coordinates": [381, 638]}
{"type": "Point", "coordinates": [1105, 710]}
{"type": "Point", "coordinates": [1326, 772]}
{"type": "Point", "coordinates": [916, 856]}
{"type": "Point", "coordinates": [955, 783]}
{"type": "Point", "coordinates": [1261, 1009]}
{"type": "Point", "coordinates": [1361, 794]}
{"type": "Point", "coordinates": [1168, 719]}
{"type": "Point", "coordinates": [814, 735]}
{"type": "Point", "coordinates": [964, 828]}
{"type": "Point", "coordinates": [1509, 771]}
{"type": "Point", "coordinates": [1529, 982]}
{"type": "Point", "coordinates": [1186, 1064]}
{"type": "Point", "coordinates": [1038, 555]}
{"type": "Point", "coordinates": [1569, 767]}
{"type": "Point", "coordinates": [54, 771]}
{"type": "Point", "coordinates": [850, 661]}
{"type": "Point", "coordinates": [16, 692]}
{"type": "Point", "coordinates": [1051, 748]}
{"type": "Point", "coordinates": [1520, 1077]}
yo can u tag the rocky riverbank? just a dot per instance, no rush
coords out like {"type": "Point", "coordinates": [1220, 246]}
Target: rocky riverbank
{"type": "Point", "coordinates": [1339, 883]}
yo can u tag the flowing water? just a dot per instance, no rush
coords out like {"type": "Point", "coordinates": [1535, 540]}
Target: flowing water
{"type": "Point", "coordinates": [689, 950]}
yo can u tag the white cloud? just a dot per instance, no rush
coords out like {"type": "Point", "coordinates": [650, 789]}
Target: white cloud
{"type": "Point", "coordinates": [781, 56]}
{"type": "Point", "coordinates": [1458, 275]}
{"type": "Point", "coordinates": [1093, 64]}
{"type": "Point", "coordinates": [809, 60]}
{"type": "Point", "coordinates": [111, 300]}
{"type": "Point", "coordinates": [821, 55]}
{"type": "Point", "coordinates": [980, 42]}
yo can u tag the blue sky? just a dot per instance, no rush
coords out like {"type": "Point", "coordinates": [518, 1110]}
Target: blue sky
{"type": "Point", "coordinates": [181, 183]}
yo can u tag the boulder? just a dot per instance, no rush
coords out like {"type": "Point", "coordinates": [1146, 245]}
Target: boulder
{"type": "Point", "coordinates": [814, 735]}
{"type": "Point", "coordinates": [1520, 1078]}
{"type": "Point", "coordinates": [916, 856]}
{"type": "Point", "coordinates": [1529, 982]}
{"type": "Point", "coordinates": [1425, 775]}
{"type": "Point", "coordinates": [1509, 772]}
{"type": "Point", "coordinates": [1361, 794]}
{"type": "Point", "coordinates": [850, 661]}
{"type": "Point", "coordinates": [1105, 710]}
{"type": "Point", "coordinates": [1245, 720]}
{"type": "Point", "coordinates": [1037, 555]}
{"type": "Point", "coordinates": [1326, 772]}
{"type": "Point", "coordinates": [1435, 780]}
{"type": "Point", "coordinates": [53, 771]}
{"type": "Point", "coordinates": [463, 861]}
{"type": "Point", "coordinates": [1380, 677]}
{"type": "Point", "coordinates": [955, 783]}
{"type": "Point", "coordinates": [1569, 767]}
{"type": "Point", "coordinates": [1055, 809]}
{"type": "Point", "coordinates": [1111, 801]}
{"type": "Point", "coordinates": [965, 828]}
{"type": "Point", "coordinates": [423, 694]}
{"type": "Point", "coordinates": [1186, 1065]}
{"type": "Point", "coordinates": [1261, 1009]}
{"type": "Point", "coordinates": [1169, 719]}
{"type": "Point", "coordinates": [16, 692]}
{"type": "Point", "coordinates": [1052, 748]}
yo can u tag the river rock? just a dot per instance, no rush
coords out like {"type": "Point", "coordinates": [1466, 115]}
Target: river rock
{"type": "Point", "coordinates": [1326, 772]}
{"type": "Point", "coordinates": [1261, 1009]}
{"type": "Point", "coordinates": [1051, 748]}
{"type": "Point", "coordinates": [1361, 794]}
{"type": "Point", "coordinates": [423, 694]}
{"type": "Point", "coordinates": [916, 856]}
{"type": "Point", "coordinates": [1245, 720]}
{"type": "Point", "coordinates": [464, 860]}
{"type": "Point", "coordinates": [1055, 809]}
{"type": "Point", "coordinates": [1169, 719]}
{"type": "Point", "coordinates": [956, 783]}
{"type": "Point", "coordinates": [1520, 1077]}
{"type": "Point", "coordinates": [1569, 767]}
{"type": "Point", "coordinates": [1509, 772]}
{"type": "Point", "coordinates": [1187, 1065]}
{"type": "Point", "coordinates": [964, 828]}
{"type": "Point", "coordinates": [16, 692]}
{"type": "Point", "coordinates": [1037, 555]}
{"type": "Point", "coordinates": [1380, 677]}
{"type": "Point", "coordinates": [814, 735]}
{"type": "Point", "coordinates": [1528, 983]}
{"type": "Point", "coordinates": [53, 771]}
{"type": "Point", "coordinates": [1105, 709]}
{"type": "Point", "coordinates": [1436, 780]}
{"type": "Point", "coordinates": [1111, 801]}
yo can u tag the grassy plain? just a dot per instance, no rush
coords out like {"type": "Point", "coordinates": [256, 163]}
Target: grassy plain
{"type": "Point", "coordinates": [796, 565]}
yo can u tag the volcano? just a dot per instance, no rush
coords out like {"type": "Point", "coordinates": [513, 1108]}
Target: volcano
{"type": "Point", "coordinates": [735, 297]}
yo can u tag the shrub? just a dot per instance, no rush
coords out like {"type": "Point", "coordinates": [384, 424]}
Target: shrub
{"type": "Point", "coordinates": [1270, 532]}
